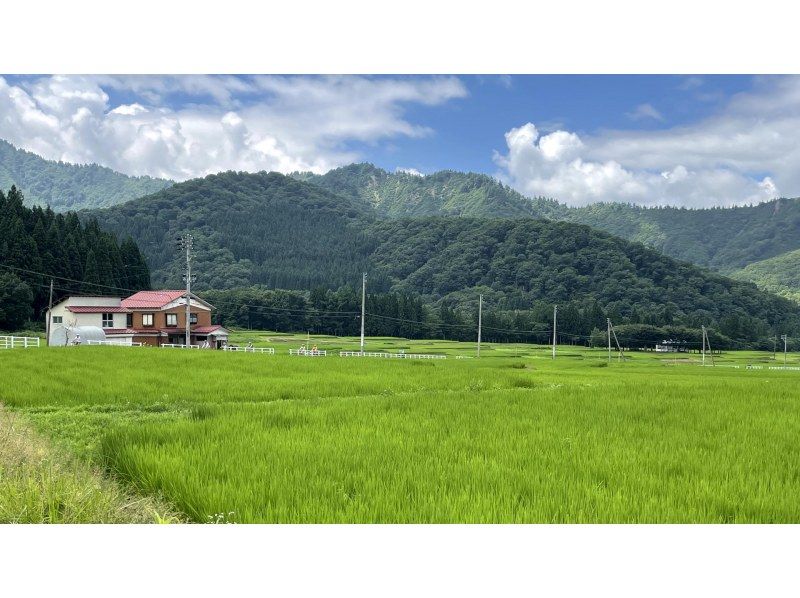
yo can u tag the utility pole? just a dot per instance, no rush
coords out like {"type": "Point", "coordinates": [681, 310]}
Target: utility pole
{"type": "Point", "coordinates": [480, 316]}
{"type": "Point", "coordinates": [704, 344]}
{"type": "Point", "coordinates": [363, 306]}
{"type": "Point", "coordinates": [186, 243]}
{"type": "Point", "coordinates": [785, 339]}
{"type": "Point", "coordinates": [608, 322]}
{"type": "Point", "coordinates": [49, 313]}
{"type": "Point", "coordinates": [555, 324]}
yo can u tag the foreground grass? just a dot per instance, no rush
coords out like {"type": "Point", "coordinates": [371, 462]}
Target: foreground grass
{"type": "Point", "coordinates": [539, 454]}
{"type": "Point", "coordinates": [512, 437]}
{"type": "Point", "coordinates": [40, 485]}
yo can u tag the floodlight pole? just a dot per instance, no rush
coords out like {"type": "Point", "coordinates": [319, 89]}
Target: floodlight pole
{"type": "Point", "coordinates": [363, 306]}
{"type": "Point", "coordinates": [608, 323]}
{"type": "Point", "coordinates": [555, 324]}
{"type": "Point", "coordinates": [480, 316]}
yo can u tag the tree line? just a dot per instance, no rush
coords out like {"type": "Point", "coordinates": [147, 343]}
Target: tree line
{"type": "Point", "coordinates": [36, 243]}
{"type": "Point", "coordinates": [338, 313]}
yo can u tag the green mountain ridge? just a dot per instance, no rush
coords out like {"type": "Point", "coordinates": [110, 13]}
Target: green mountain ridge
{"type": "Point", "coordinates": [725, 239]}
{"type": "Point", "coordinates": [281, 232]}
{"type": "Point", "coordinates": [65, 186]}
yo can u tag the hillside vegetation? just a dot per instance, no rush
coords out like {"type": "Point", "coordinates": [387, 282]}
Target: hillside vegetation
{"type": "Point", "coordinates": [446, 193]}
{"type": "Point", "coordinates": [723, 239]}
{"type": "Point", "coordinates": [275, 231]}
{"type": "Point", "coordinates": [248, 228]}
{"type": "Point", "coordinates": [64, 186]}
{"type": "Point", "coordinates": [780, 275]}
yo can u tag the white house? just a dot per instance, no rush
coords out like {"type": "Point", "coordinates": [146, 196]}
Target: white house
{"type": "Point", "coordinates": [148, 317]}
{"type": "Point", "coordinates": [102, 312]}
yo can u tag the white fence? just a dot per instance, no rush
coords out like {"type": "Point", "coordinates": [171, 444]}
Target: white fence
{"type": "Point", "coordinates": [114, 343]}
{"type": "Point", "coordinates": [754, 367]}
{"type": "Point", "coordinates": [391, 355]}
{"type": "Point", "coordinates": [174, 346]}
{"type": "Point", "coordinates": [308, 352]}
{"type": "Point", "coordinates": [10, 342]}
{"type": "Point", "coordinates": [267, 350]}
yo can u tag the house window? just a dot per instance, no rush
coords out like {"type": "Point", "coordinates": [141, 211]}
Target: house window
{"type": "Point", "coordinates": [58, 319]}
{"type": "Point", "coordinates": [147, 319]}
{"type": "Point", "coordinates": [172, 319]}
{"type": "Point", "coordinates": [108, 320]}
{"type": "Point", "coordinates": [192, 318]}
{"type": "Point", "coordinates": [129, 320]}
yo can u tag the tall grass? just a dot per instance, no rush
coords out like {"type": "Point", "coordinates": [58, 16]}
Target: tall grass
{"type": "Point", "coordinates": [514, 437]}
{"type": "Point", "coordinates": [39, 484]}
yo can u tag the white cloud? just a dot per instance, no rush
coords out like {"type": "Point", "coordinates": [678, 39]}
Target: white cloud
{"type": "Point", "coordinates": [411, 171]}
{"type": "Point", "coordinates": [644, 112]}
{"type": "Point", "coordinates": [187, 126]}
{"type": "Point", "coordinates": [746, 153]}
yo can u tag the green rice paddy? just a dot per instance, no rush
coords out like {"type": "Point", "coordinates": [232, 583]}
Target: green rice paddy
{"type": "Point", "coordinates": [511, 437]}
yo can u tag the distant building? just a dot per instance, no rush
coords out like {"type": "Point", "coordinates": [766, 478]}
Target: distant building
{"type": "Point", "coordinates": [672, 346]}
{"type": "Point", "coordinates": [148, 317]}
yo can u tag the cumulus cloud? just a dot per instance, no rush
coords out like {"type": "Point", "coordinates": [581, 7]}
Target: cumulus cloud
{"type": "Point", "coordinates": [746, 153]}
{"type": "Point", "coordinates": [182, 127]}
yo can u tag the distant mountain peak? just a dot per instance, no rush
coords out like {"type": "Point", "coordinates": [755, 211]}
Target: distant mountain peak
{"type": "Point", "coordinates": [64, 186]}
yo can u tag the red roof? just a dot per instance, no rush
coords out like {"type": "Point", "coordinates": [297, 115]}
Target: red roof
{"type": "Point", "coordinates": [96, 309]}
{"type": "Point", "coordinates": [119, 331]}
{"type": "Point", "coordinates": [151, 299]}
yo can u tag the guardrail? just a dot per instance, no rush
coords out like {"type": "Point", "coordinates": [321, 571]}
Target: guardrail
{"type": "Point", "coordinates": [267, 350]}
{"type": "Point", "coordinates": [391, 355]}
{"type": "Point", "coordinates": [308, 352]}
{"type": "Point", "coordinates": [10, 342]}
{"type": "Point", "coordinates": [174, 346]}
{"type": "Point", "coordinates": [114, 343]}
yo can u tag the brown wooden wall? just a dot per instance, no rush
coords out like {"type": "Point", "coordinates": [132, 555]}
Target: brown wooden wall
{"type": "Point", "coordinates": [160, 318]}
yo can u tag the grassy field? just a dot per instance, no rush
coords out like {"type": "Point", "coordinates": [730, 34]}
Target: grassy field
{"type": "Point", "coordinates": [511, 437]}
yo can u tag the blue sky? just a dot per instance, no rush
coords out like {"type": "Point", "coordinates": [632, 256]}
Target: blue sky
{"type": "Point", "coordinates": [654, 140]}
{"type": "Point", "coordinates": [466, 128]}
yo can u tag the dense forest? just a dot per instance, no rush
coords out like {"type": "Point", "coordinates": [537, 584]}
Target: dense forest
{"type": "Point", "coordinates": [65, 186]}
{"type": "Point", "coordinates": [274, 232]}
{"type": "Point", "coordinates": [81, 257]}
{"type": "Point", "coordinates": [248, 229]}
{"type": "Point", "coordinates": [324, 311]}
{"type": "Point", "coordinates": [724, 239]}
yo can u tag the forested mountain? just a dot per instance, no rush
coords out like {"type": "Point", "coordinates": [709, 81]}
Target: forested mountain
{"type": "Point", "coordinates": [516, 263]}
{"type": "Point", "coordinates": [725, 239]}
{"type": "Point", "coordinates": [65, 186]}
{"type": "Point", "coordinates": [276, 231]}
{"type": "Point", "coordinates": [82, 258]}
{"type": "Point", "coordinates": [446, 193]}
{"type": "Point", "coordinates": [262, 228]}
{"type": "Point", "coordinates": [780, 275]}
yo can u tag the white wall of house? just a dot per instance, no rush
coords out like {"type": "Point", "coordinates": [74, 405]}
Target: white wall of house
{"type": "Point", "coordinates": [62, 317]}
